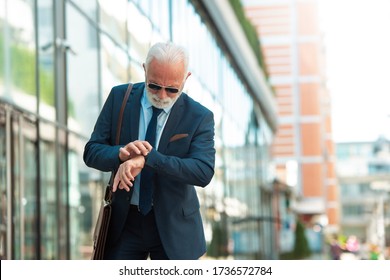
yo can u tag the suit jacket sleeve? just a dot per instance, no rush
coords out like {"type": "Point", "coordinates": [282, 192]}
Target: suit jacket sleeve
{"type": "Point", "coordinates": [194, 165]}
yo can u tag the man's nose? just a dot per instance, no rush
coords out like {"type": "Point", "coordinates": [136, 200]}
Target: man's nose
{"type": "Point", "coordinates": [162, 93]}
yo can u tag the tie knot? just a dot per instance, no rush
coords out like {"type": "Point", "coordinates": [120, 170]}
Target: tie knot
{"type": "Point", "coordinates": [156, 111]}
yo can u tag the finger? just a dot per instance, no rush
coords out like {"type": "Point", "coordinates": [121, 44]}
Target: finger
{"type": "Point", "coordinates": [145, 147]}
{"type": "Point", "coordinates": [122, 186]}
{"type": "Point", "coordinates": [115, 183]}
{"type": "Point", "coordinates": [124, 152]}
{"type": "Point", "coordinates": [125, 187]}
{"type": "Point", "coordinates": [133, 148]}
{"type": "Point", "coordinates": [127, 178]}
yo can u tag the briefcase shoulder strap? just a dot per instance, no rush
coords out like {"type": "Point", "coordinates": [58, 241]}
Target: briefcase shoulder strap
{"type": "Point", "coordinates": [119, 125]}
{"type": "Point", "coordinates": [108, 192]}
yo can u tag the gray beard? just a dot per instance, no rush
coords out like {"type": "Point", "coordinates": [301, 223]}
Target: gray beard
{"type": "Point", "coordinates": [161, 104]}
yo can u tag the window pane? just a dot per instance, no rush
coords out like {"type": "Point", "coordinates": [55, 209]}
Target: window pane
{"type": "Point", "coordinates": [80, 201]}
{"type": "Point", "coordinates": [82, 72]}
{"type": "Point", "coordinates": [46, 59]}
{"type": "Point", "coordinates": [114, 63]}
{"type": "Point", "coordinates": [88, 7]}
{"type": "Point", "coordinates": [48, 195]}
{"type": "Point", "coordinates": [113, 19]}
{"type": "Point", "coordinates": [17, 58]}
{"type": "Point", "coordinates": [140, 34]}
{"type": "Point", "coordinates": [24, 187]}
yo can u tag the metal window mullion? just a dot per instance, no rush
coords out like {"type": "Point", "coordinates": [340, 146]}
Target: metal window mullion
{"type": "Point", "coordinates": [21, 184]}
{"type": "Point", "coordinates": [9, 182]}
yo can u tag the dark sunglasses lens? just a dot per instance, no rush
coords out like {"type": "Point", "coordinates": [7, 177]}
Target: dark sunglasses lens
{"type": "Point", "coordinates": [154, 87]}
{"type": "Point", "coordinates": [172, 90]}
{"type": "Point", "coordinates": [168, 89]}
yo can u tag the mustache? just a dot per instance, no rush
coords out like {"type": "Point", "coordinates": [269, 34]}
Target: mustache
{"type": "Point", "coordinates": [159, 102]}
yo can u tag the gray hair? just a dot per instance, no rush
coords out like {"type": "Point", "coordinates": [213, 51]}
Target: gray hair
{"type": "Point", "coordinates": [168, 53]}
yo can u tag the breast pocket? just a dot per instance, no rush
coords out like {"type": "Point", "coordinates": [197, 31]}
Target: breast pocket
{"type": "Point", "coordinates": [179, 144]}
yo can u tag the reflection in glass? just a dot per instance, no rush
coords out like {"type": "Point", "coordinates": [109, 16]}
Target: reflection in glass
{"type": "Point", "coordinates": [80, 203]}
{"type": "Point", "coordinates": [113, 19]}
{"type": "Point", "coordinates": [63, 195]}
{"type": "Point", "coordinates": [114, 64]}
{"type": "Point", "coordinates": [82, 72]}
{"type": "Point", "coordinates": [48, 197]}
{"type": "Point", "coordinates": [24, 188]}
{"type": "Point", "coordinates": [88, 7]}
{"type": "Point", "coordinates": [137, 73]}
{"type": "Point", "coordinates": [29, 197]}
{"type": "Point", "coordinates": [46, 59]}
{"type": "Point", "coordinates": [17, 48]}
{"type": "Point", "coordinates": [140, 33]}
{"type": "Point", "coordinates": [3, 185]}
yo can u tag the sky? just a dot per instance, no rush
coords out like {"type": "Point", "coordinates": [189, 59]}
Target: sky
{"type": "Point", "coordinates": [357, 47]}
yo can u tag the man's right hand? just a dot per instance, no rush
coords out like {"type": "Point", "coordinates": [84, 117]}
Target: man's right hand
{"type": "Point", "coordinates": [133, 149]}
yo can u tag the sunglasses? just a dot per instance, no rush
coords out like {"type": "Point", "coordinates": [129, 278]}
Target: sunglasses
{"type": "Point", "coordinates": [157, 87]}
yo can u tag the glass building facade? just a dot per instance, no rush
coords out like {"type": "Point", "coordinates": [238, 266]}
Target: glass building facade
{"type": "Point", "coordinates": [58, 62]}
{"type": "Point", "coordinates": [364, 174]}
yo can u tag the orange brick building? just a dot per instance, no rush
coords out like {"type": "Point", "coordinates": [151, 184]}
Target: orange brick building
{"type": "Point", "coordinates": [303, 149]}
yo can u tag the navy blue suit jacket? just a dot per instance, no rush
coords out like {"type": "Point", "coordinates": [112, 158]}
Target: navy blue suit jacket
{"type": "Point", "coordinates": [185, 158]}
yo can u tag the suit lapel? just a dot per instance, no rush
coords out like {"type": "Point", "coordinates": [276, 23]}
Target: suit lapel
{"type": "Point", "coordinates": [172, 122]}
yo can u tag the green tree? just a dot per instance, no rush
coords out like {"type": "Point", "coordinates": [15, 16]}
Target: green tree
{"type": "Point", "coordinates": [250, 33]}
{"type": "Point", "coordinates": [23, 73]}
{"type": "Point", "coordinates": [219, 242]}
{"type": "Point", "coordinates": [301, 245]}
